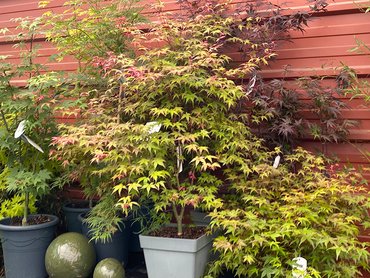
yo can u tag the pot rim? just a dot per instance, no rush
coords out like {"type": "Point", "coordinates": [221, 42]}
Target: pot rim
{"type": "Point", "coordinates": [5, 227]}
{"type": "Point", "coordinates": [67, 207]}
{"type": "Point", "coordinates": [175, 244]}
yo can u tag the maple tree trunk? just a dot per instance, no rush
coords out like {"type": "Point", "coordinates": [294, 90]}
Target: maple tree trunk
{"type": "Point", "coordinates": [179, 217]}
{"type": "Point", "coordinates": [25, 209]}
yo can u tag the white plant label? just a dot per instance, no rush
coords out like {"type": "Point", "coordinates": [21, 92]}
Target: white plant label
{"type": "Point", "coordinates": [153, 127]}
{"type": "Point", "coordinates": [179, 159]}
{"type": "Point", "coordinates": [33, 144]}
{"type": "Point", "coordinates": [299, 267]}
{"type": "Point", "coordinates": [276, 162]}
{"type": "Point", "coordinates": [251, 84]}
{"type": "Point", "coordinates": [20, 129]}
{"type": "Point", "coordinates": [20, 133]}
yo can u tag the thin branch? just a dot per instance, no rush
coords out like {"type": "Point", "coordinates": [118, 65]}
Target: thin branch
{"type": "Point", "coordinates": [4, 120]}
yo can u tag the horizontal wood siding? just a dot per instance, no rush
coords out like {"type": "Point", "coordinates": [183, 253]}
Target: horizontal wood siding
{"type": "Point", "coordinates": [319, 51]}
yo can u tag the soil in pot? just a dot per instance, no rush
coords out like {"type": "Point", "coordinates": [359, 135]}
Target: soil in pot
{"type": "Point", "coordinates": [31, 220]}
{"type": "Point", "coordinates": [171, 232]}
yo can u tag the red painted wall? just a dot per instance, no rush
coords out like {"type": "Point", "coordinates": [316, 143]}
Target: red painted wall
{"type": "Point", "coordinates": [319, 51]}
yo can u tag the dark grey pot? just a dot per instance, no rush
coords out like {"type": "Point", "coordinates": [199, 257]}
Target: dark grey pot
{"type": "Point", "coordinates": [199, 218]}
{"type": "Point", "coordinates": [71, 212]}
{"type": "Point", "coordinates": [24, 247]}
{"type": "Point", "coordinates": [116, 248]}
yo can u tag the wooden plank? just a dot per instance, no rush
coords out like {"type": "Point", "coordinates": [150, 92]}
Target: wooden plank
{"type": "Point", "coordinates": [329, 25]}
{"type": "Point", "coordinates": [348, 152]}
{"type": "Point", "coordinates": [315, 66]}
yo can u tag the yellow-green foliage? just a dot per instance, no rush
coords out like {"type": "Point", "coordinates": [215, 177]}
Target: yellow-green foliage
{"type": "Point", "coordinates": [187, 85]}
{"type": "Point", "coordinates": [302, 208]}
{"type": "Point", "coordinates": [14, 206]}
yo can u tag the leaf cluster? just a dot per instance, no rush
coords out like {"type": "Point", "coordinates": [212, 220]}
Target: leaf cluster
{"type": "Point", "coordinates": [294, 210]}
{"type": "Point", "coordinates": [187, 84]}
{"type": "Point", "coordinates": [24, 170]}
{"type": "Point", "coordinates": [276, 109]}
{"type": "Point", "coordinates": [89, 29]}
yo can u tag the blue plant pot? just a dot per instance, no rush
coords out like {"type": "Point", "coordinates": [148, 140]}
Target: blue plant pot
{"type": "Point", "coordinates": [136, 227]}
{"type": "Point", "coordinates": [117, 247]}
{"type": "Point", "coordinates": [24, 247]}
{"type": "Point", "coordinates": [71, 211]}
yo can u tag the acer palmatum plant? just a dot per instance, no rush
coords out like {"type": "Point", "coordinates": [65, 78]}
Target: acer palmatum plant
{"type": "Point", "coordinates": [298, 209]}
{"type": "Point", "coordinates": [183, 82]}
{"type": "Point", "coordinates": [27, 125]}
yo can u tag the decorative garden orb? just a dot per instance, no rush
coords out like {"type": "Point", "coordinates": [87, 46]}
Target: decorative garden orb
{"type": "Point", "coordinates": [109, 268]}
{"type": "Point", "coordinates": [70, 255]}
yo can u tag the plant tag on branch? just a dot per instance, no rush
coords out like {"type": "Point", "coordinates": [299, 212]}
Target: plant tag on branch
{"type": "Point", "coordinates": [299, 267]}
{"type": "Point", "coordinates": [20, 129]}
{"type": "Point", "coordinates": [179, 158]}
{"type": "Point", "coordinates": [153, 127]}
{"type": "Point", "coordinates": [276, 162]}
{"type": "Point", "coordinates": [251, 84]}
{"type": "Point", "coordinates": [33, 144]}
{"type": "Point", "coordinates": [20, 133]}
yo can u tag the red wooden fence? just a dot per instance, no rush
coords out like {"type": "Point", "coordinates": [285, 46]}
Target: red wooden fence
{"type": "Point", "coordinates": [319, 51]}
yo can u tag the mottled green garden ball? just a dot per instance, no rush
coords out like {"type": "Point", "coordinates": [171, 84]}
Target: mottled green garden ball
{"type": "Point", "coordinates": [70, 255]}
{"type": "Point", "coordinates": [109, 268]}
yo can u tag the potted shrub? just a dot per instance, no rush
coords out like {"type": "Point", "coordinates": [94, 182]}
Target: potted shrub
{"type": "Point", "coordinates": [103, 218]}
{"type": "Point", "coordinates": [114, 239]}
{"type": "Point", "coordinates": [77, 169]}
{"type": "Point", "coordinates": [104, 31]}
{"type": "Point", "coordinates": [93, 38]}
{"type": "Point", "coordinates": [303, 208]}
{"type": "Point", "coordinates": [169, 130]}
{"type": "Point", "coordinates": [27, 125]}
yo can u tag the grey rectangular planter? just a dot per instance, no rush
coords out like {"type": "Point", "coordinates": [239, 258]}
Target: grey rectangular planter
{"type": "Point", "coordinates": [175, 257]}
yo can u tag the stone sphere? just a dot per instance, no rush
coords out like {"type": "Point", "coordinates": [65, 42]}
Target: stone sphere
{"type": "Point", "coordinates": [109, 268]}
{"type": "Point", "coordinates": [70, 255]}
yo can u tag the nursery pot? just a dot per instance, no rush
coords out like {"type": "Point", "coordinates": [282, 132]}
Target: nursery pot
{"type": "Point", "coordinates": [136, 227]}
{"type": "Point", "coordinates": [24, 247]}
{"type": "Point", "coordinates": [134, 243]}
{"type": "Point", "coordinates": [199, 218]}
{"type": "Point", "coordinates": [176, 257]}
{"type": "Point", "coordinates": [116, 247]}
{"type": "Point", "coordinates": [71, 211]}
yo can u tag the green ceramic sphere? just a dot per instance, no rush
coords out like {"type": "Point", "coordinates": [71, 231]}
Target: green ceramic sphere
{"type": "Point", "coordinates": [70, 255]}
{"type": "Point", "coordinates": [109, 268]}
